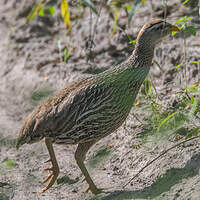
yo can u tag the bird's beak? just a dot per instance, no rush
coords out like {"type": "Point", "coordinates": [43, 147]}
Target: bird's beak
{"type": "Point", "coordinates": [174, 29]}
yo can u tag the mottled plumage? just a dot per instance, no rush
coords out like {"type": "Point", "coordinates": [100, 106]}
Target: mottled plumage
{"type": "Point", "coordinates": [94, 107]}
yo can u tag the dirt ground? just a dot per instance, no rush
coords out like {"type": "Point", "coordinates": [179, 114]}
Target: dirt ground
{"type": "Point", "coordinates": [31, 68]}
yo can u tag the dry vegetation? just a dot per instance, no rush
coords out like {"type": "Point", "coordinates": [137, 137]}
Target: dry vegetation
{"type": "Point", "coordinates": [45, 46]}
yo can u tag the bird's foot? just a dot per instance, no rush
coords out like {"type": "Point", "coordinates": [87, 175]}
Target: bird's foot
{"type": "Point", "coordinates": [54, 169]}
{"type": "Point", "coordinates": [94, 190]}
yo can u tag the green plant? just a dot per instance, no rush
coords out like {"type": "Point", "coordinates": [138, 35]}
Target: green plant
{"type": "Point", "coordinates": [170, 122]}
{"type": "Point", "coordinates": [189, 28]}
{"type": "Point", "coordinates": [9, 163]}
{"type": "Point", "coordinates": [66, 54]}
{"type": "Point", "coordinates": [40, 9]}
{"type": "Point", "coordinates": [40, 94]}
{"type": "Point", "coordinates": [101, 154]}
{"type": "Point", "coordinates": [50, 10]}
{"type": "Point", "coordinates": [67, 180]}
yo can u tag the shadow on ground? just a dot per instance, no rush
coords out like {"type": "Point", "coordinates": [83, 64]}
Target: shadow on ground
{"type": "Point", "coordinates": [67, 180]}
{"type": "Point", "coordinates": [163, 183]}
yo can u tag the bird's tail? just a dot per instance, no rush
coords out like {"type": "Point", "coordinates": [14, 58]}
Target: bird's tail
{"type": "Point", "coordinates": [21, 139]}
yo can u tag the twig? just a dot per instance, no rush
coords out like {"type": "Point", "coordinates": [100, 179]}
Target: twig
{"type": "Point", "coordinates": [90, 42]}
{"type": "Point", "coordinates": [136, 117]}
{"type": "Point", "coordinates": [163, 153]}
{"type": "Point", "coordinates": [161, 69]}
{"type": "Point", "coordinates": [185, 62]}
{"type": "Point", "coordinates": [165, 8]}
{"type": "Point", "coordinates": [157, 95]}
{"type": "Point", "coordinates": [95, 25]}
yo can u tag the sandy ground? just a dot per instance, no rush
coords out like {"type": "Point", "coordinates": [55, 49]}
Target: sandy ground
{"type": "Point", "coordinates": [30, 55]}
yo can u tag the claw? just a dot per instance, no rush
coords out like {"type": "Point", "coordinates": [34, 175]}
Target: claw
{"type": "Point", "coordinates": [86, 191]}
{"type": "Point", "coordinates": [48, 169]}
{"type": "Point", "coordinates": [97, 190]}
{"type": "Point", "coordinates": [94, 191]}
{"type": "Point", "coordinates": [84, 179]}
{"type": "Point", "coordinates": [46, 179]}
{"type": "Point", "coordinates": [54, 169]}
{"type": "Point", "coordinates": [51, 178]}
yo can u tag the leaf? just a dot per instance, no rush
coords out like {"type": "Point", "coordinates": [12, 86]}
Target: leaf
{"type": "Point", "coordinates": [147, 86]}
{"type": "Point", "coordinates": [194, 131]}
{"type": "Point", "coordinates": [185, 2]}
{"type": "Point", "coordinates": [195, 107]}
{"type": "Point", "coordinates": [133, 9]}
{"type": "Point", "coordinates": [195, 62]}
{"type": "Point", "coordinates": [193, 88]}
{"type": "Point", "coordinates": [192, 99]}
{"type": "Point", "coordinates": [191, 29]}
{"type": "Point", "coordinates": [165, 120]}
{"type": "Point", "coordinates": [41, 12]}
{"type": "Point", "coordinates": [36, 9]}
{"type": "Point", "coordinates": [10, 163]}
{"type": "Point", "coordinates": [65, 12]}
{"type": "Point", "coordinates": [127, 7]}
{"type": "Point", "coordinates": [133, 42]}
{"type": "Point", "coordinates": [183, 19]}
{"type": "Point", "coordinates": [179, 20]}
{"type": "Point", "coordinates": [161, 69]}
{"type": "Point", "coordinates": [90, 5]}
{"type": "Point", "coordinates": [175, 32]}
{"type": "Point", "coordinates": [66, 54]}
{"type": "Point", "coordinates": [178, 66]}
{"type": "Point", "coordinates": [51, 10]}
{"type": "Point", "coordinates": [116, 15]}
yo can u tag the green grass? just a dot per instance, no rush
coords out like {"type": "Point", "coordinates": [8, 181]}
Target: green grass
{"type": "Point", "coordinates": [9, 163]}
{"type": "Point", "coordinates": [39, 95]}
{"type": "Point", "coordinates": [67, 180]}
{"type": "Point", "coordinates": [3, 196]}
{"type": "Point", "coordinates": [162, 184]}
{"type": "Point", "coordinates": [165, 121]}
{"type": "Point", "coordinates": [99, 156]}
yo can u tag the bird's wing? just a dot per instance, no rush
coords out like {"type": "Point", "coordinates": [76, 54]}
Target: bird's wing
{"type": "Point", "coordinates": [64, 112]}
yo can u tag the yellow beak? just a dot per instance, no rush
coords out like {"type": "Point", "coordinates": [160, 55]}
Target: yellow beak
{"type": "Point", "coordinates": [174, 28]}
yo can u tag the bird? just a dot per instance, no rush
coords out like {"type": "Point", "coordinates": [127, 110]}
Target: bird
{"type": "Point", "coordinates": [92, 108]}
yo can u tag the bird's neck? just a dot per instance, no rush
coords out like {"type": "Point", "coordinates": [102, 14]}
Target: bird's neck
{"type": "Point", "coordinates": [131, 72]}
{"type": "Point", "coordinates": [143, 53]}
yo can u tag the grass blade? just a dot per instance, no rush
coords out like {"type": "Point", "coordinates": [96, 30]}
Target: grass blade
{"type": "Point", "coordinates": [90, 5]}
{"type": "Point", "coordinates": [36, 9]}
{"type": "Point", "coordinates": [165, 120]}
{"type": "Point", "coordinates": [133, 9]}
{"type": "Point", "coordinates": [65, 12]}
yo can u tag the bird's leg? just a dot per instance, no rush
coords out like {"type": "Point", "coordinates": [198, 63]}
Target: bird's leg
{"type": "Point", "coordinates": [80, 155]}
{"type": "Point", "coordinates": [54, 168]}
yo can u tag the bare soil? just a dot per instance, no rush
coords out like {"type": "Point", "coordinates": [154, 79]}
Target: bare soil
{"type": "Point", "coordinates": [31, 69]}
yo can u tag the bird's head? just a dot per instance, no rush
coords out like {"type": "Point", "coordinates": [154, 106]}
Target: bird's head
{"type": "Point", "coordinates": [154, 31]}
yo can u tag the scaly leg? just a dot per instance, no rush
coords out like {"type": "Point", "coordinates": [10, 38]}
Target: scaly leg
{"type": "Point", "coordinates": [80, 155]}
{"type": "Point", "coordinates": [54, 168]}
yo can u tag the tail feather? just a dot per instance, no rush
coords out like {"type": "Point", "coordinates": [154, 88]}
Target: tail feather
{"type": "Point", "coordinates": [22, 137]}
{"type": "Point", "coordinates": [25, 133]}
